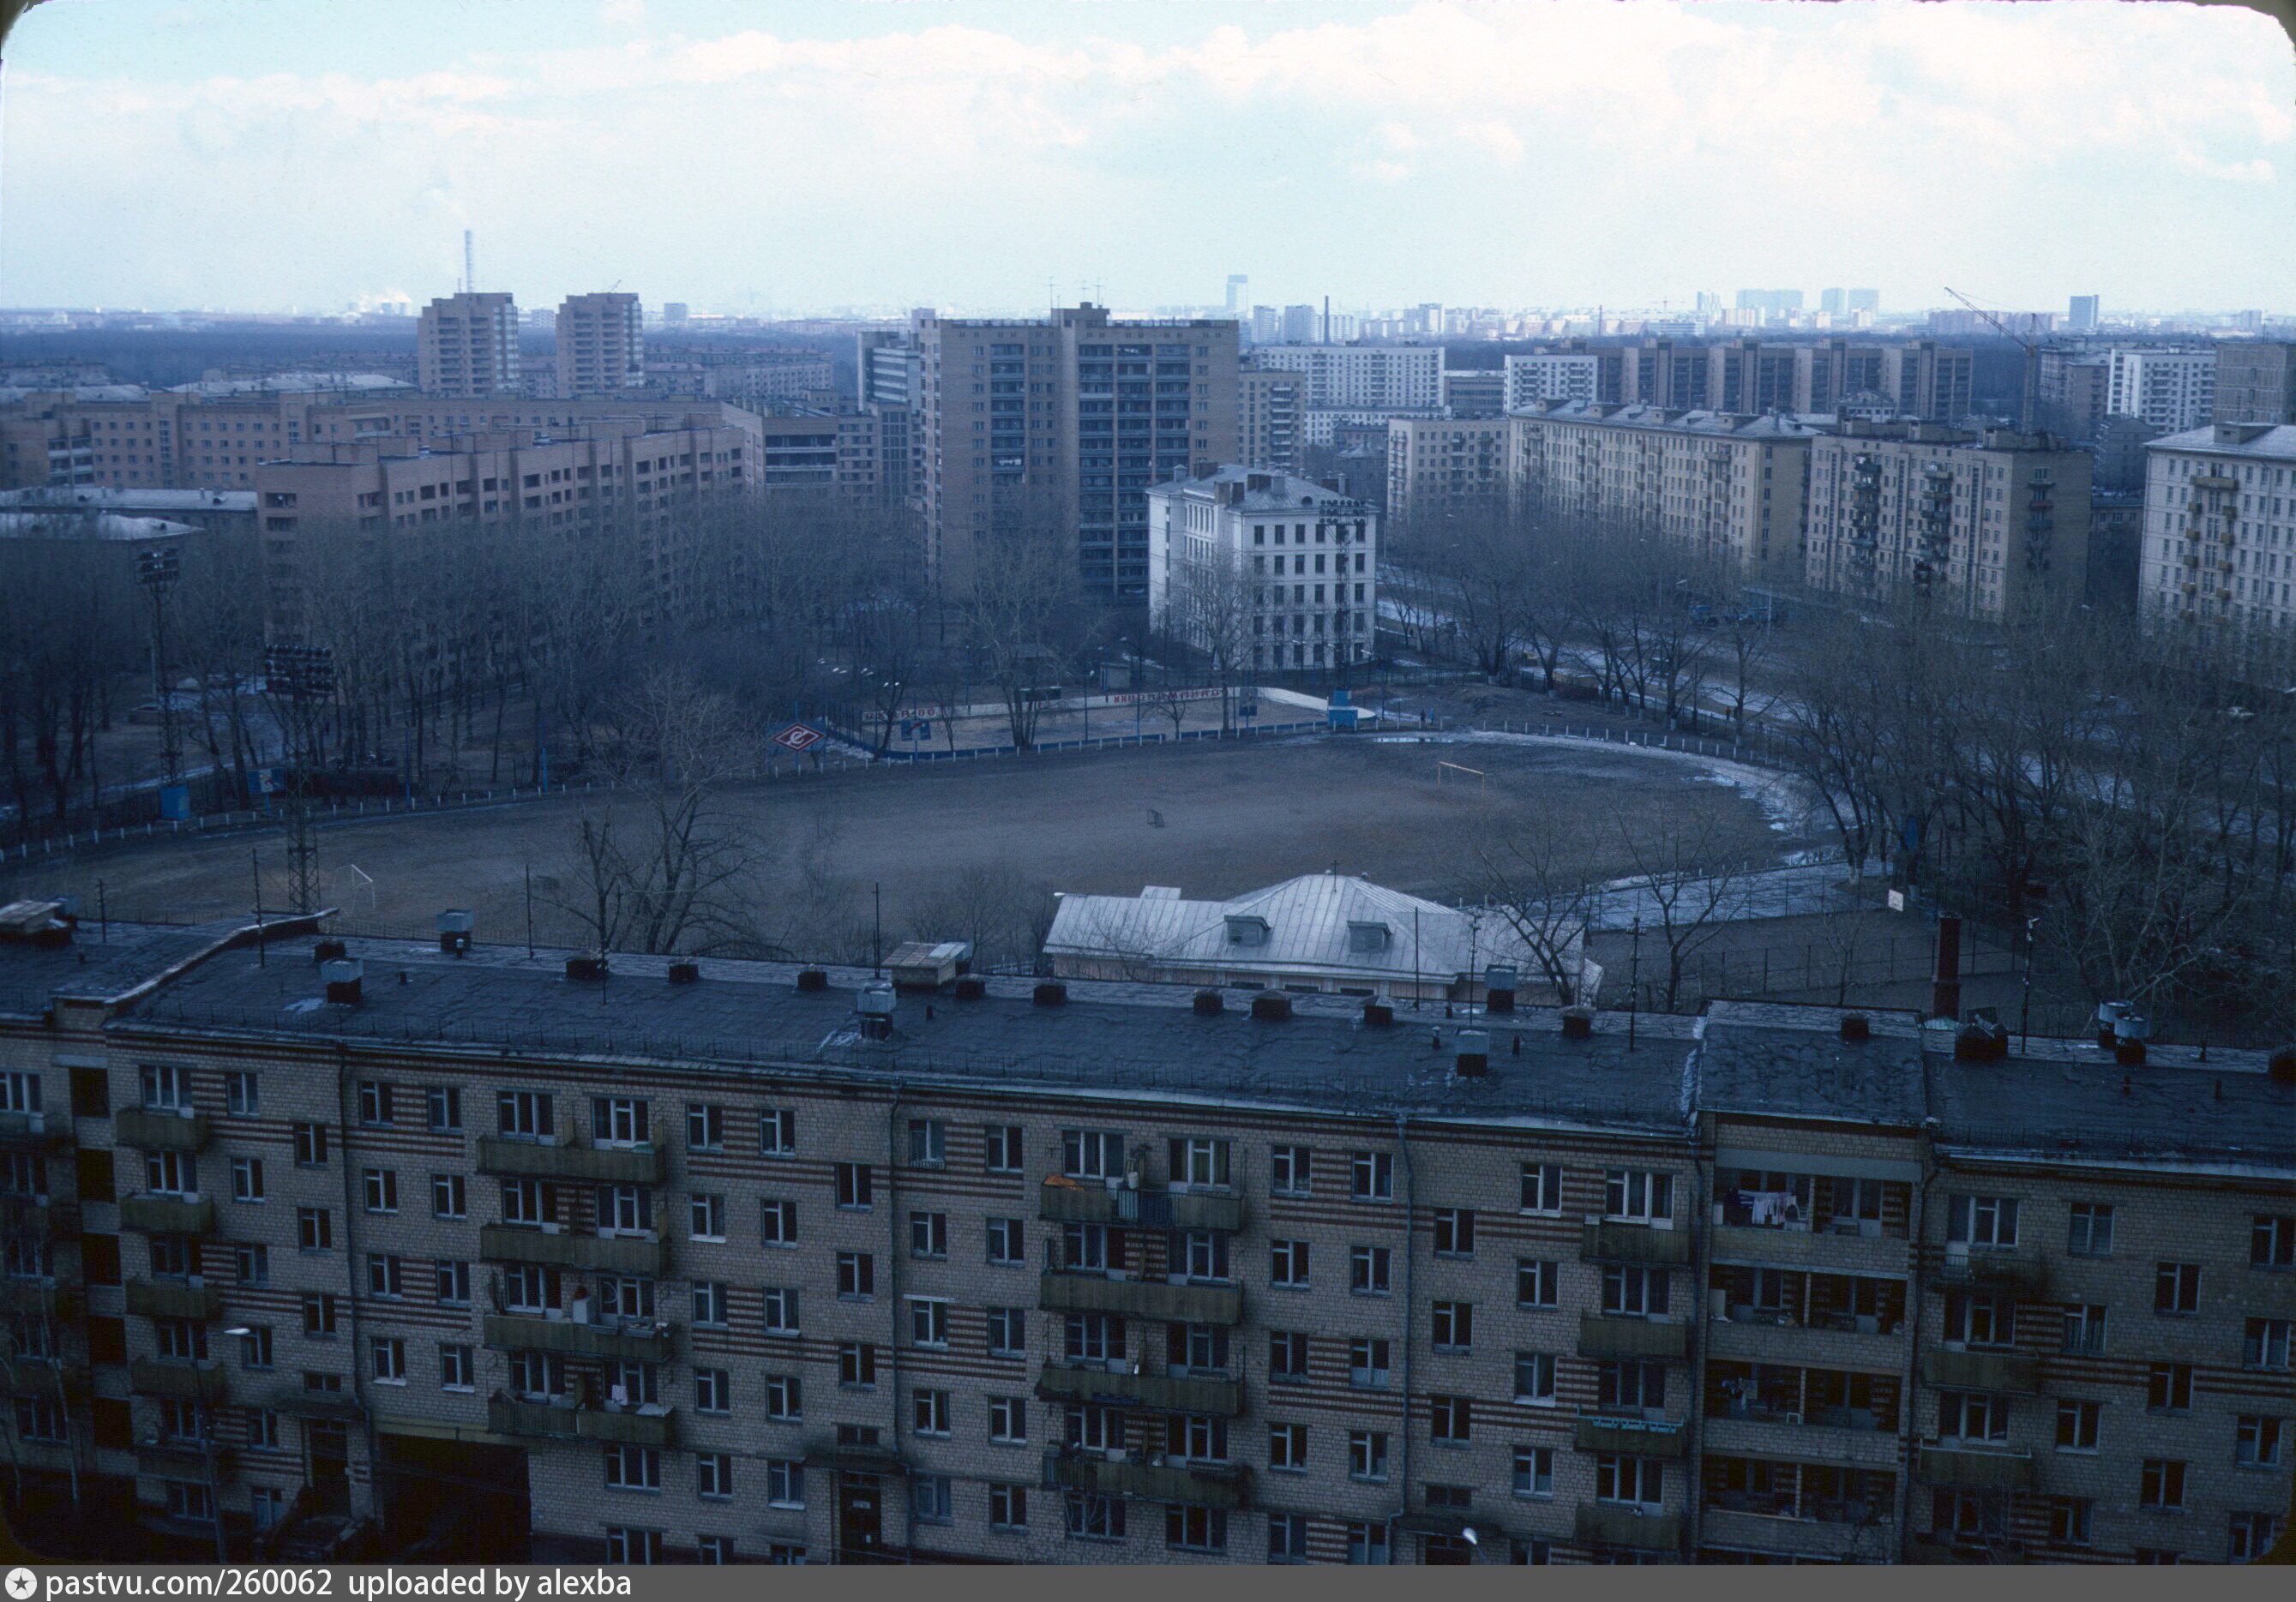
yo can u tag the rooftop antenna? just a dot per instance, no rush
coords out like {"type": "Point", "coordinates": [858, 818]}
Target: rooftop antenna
{"type": "Point", "coordinates": [469, 265]}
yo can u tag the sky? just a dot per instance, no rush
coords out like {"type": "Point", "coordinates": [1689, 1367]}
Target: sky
{"type": "Point", "coordinates": [757, 156]}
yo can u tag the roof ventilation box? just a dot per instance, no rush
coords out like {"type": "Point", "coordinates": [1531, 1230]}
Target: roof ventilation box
{"type": "Point", "coordinates": [589, 971]}
{"type": "Point", "coordinates": [455, 926]}
{"type": "Point", "coordinates": [1377, 1015]}
{"type": "Point", "coordinates": [1474, 1060]}
{"type": "Point", "coordinates": [1856, 1026]}
{"type": "Point", "coordinates": [1498, 988]}
{"type": "Point", "coordinates": [1578, 1023]}
{"type": "Point", "coordinates": [1051, 993]}
{"type": "Point", "coordinates": [1273, 1005]}
{"type": "Point", "coordinates": [682, 972]}
{"type": "Point", "coordinates": [1209, 1003]}
{"type": "Point", "coordinates": [812, 979]}
{"type": "Point", "coordinates": [345, 979]}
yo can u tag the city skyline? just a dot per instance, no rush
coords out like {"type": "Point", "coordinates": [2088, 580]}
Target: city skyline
{"type": "Point", "coordinates": [249, 164]}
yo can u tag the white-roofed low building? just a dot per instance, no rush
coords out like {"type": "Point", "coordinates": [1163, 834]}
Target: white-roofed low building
{"type": "Point", "coordinates": [1328, 933]}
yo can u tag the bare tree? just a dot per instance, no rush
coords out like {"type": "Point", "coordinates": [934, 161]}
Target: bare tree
{"type": "Point", "coordinates": [1536, 884]}
{"type": "Point", "coordinates": [1694, 882]}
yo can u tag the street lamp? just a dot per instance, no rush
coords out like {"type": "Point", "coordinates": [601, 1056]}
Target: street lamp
{"type": "Point", "coordinates": [208, 1458]}
{"type": "Point", "coordinates": [158, 569]}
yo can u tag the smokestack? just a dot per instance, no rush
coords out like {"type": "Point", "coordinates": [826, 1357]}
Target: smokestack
{"type": "Point", "coordinates": [469, 265]}
{"type": "Point", "coordinates": [1944, 988]}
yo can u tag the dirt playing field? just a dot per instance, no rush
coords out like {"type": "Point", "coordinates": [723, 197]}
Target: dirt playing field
{"type": "Point", "coordinates": [973, 849]}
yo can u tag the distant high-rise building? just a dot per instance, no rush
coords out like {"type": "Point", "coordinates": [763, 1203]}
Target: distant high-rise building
{"type": "Point", "coordinates": [467, 345]}
{"type": "Point", "coordinates": [1267, 325]}
{"type": "Point", "coordinates": [1773, 301]}
{"type": "Point", "coordinates": [1300, 325]}
{"type": "Point", "coordinates": [600, 345]}
{"type": "Point", "coordinates": [2081, 315]}
{"type": "Point", "coordinates": [2255, 382]}
{"type": "Point", "coordinates": [673, 311]}
{"type": "Point", "coordinates": [1834, 302]}
{"type": "Point", "coordinates": [1551, 376]}
{"type": "Point", "coordinates": [2249, 321]}
{"type": "Point", "coordinates": [1239, 295]}
{"type": "Point", "coordinates": [1865, 301]}
{"type": "Point", "coordinates": [1709, 305]}
{"type": "Point", "coordinates": [2170, 388]}
{"type": "Point", "coordinates": [1272, 416]}
{"type": "Point", "coordinates": [1366, 378]}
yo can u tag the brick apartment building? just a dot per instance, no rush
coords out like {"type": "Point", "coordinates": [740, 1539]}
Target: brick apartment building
{"type": "Point", "coordinates": [732, 1262]}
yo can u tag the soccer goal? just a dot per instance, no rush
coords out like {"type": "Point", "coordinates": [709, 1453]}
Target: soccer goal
{"type": "Point", "coordinates": [1451, 772]}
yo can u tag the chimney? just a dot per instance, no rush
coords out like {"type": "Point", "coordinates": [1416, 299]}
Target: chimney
{"type": "Point", "coordinates": [1498, 988]}
{"type": "Point", "coordinates": [345, 977]}
{"type": "Point", "coordinates": [455, 926]}
{"type": "Point", "coordinates": [1378, 1014]}
{"type": "Point", "coordinates": [1856, 1026]}
{"type": "Point", "coordinates": [1051, 993]}
{"type": "Point", "coordinates": [682, 972]}
{"type": "Point", "coordinates": [876, 1006]}
{"type": "Point", "coordinates": [1209, 1004]}
{"type": "Point", "coordinates": [2128, 1036]}
{"type": "Point", "coordinates": [1273, 1005]}
{"type": "Point", "coordinates": [809, 979]}
{"type": "Point", "coordinates": [1944, 988]}
{"type": "Point", "coordinates": [587, 970]}
{"type": "Point", "coordinates": [1474, 1060]}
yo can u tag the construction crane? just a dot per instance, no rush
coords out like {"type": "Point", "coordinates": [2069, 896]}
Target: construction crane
{"type": "Point", "coordinates": [2029, 402]}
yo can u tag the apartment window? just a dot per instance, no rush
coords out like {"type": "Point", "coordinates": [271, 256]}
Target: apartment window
{"type": "Point", "coordinates": [170, 1173]}
{"type": "Point", "coordinates": [929, 1412]}
{"type": "Point", "coordinates": [1366, 1542]}
{"type": "Point", "coordinates": [255, 1347]}
{"type": "Point", "coordinates": [706, 1217]}
{"type": "Point", "coordinates": [523, 1115]}
{"type": "Point", "coordinates": [1008, 1420]}
{"type": "Point", "coordinates": [785, 1400]}
{"type": "Point", "coordinates": [1367, 1363]}
{"type": "Point", "coordinates": [1092, 1153]}
{"type": "Point", "coordinates": [777, 1222]}
{"type": "Point", "coordinates": [928, 1142]}
{"type": "Point", "coordinates": [784, 1483]}
{"type": "Point", "coordinates": [1287, 1447]}
{"type": "Point", "coordinates": [780, 1309]}
{"type": "Point", "coordinates": [1982, 1221]}
{"type": "Point", "coordinates": [375, 1101]}
{"type": "Point", "coordinates": [1455, 1232]}
{"type": "Point", "coordinates": [310, 1145]}
{"type": "Point", "coordinates": [385, 1275]}
{"type": "Point", "coordinates": [1008, 1507]}
{"type": "Point", "coordinates": [2256, 1440]}
{"type": "Point", "coordinates": [857, 1274]}
{"type": "Point", "coordinates": [246, 1179]}
{"type": "Point", "coordinates": [2176, 1288]}
{"type": "Point", "coordinates": [2084, 1330]}
{"type": "Point", "coordinates": [251, 1263]}
{"type": "Point", "coordinates": [2078, 1424]}
{"type": "Point", "coordinates": [1533, 1471]}
{"type": "Point", "coordinates": [1542, 1188]}
{"type": "Point", "coordinates": [2272, 1241]}
{"type": "Point", "coordinates": [853, 1186]}
{"type": "Point", "coordinates": [1196, 1529]}
{"type": "Point", "coordinates": [713, 1552]}
{"type": "Point", "coordinates": [1005, 1242]}
{"type": "Point", "coordinates": [315, 1229]}
{"type": "Point", "coordinates": [1367, 1454]}
{"type": "Point", "coordinates": [1973, 1416]}
{"type": "Point", "coordinates": [1287, 1538]}
{"type": "Point", "coordinates": [2264, 1345]}
{"type": "Point", "coordinates": [1633, 1291]}
{"type": "Point", "coordinates": [856, 1365]}
{"type": "Point", "coordinates": [928, 1234]}
{"type": "Point", "coordinates": [381, 1187]}
{"type": "Point", "coordinates": [713, 1475]}
{"type": "Point", "coordinates": [927, 1321]}
{"type": "Point", "coordinates": [1638, 1196]}
{"type": "Point", "coordinates": [1370, 1176]}
{"type": "Point", "coordinates": [1287, 1354]}
{"type": "Point", "coordinates": [319, 1316]}
{"type": "Point", "coordinates": [2168, 1387]}
{"type": "Point", "coordinates": [1094, 1517]}
{"type": "Point", "coordinates": [449, 1195]}
{"type": "Point", "coordinates": [1291, 1170]}
{"type": "Point", "coordinates": [705, 1126]}
{"type": "Point", "coordinates": [618, 1121]}
{"type": "Point", "coordinates": [1368, 1270]}
{"type": "Point", "coordinates": [2161, 1485]}
{"type": "Point", "coordinates": [1287, 1263]}
{"type": "Point", "coordinates": [1639, 1482]}
{"type": "Point", "coordinates": [709, 1302]}
{"type": "Point", "coordinates": [930, 1499]}
{"type": "Point", "coordinates": [442, 1107]}
{"type": "Point", "coordinates": [2090, 1234]}
{"type": "Point", "coordinates": [1000, 1148]}
{"type": "Point", "coordinates": [2250, 1536]}
{"type": "Point", "coordinates": [1534, 1377]}
{"type": "Point", "coordinates": [633, 1468]}
{"type": "Point", "coordinates": [389, 1358]}
{"type": "Point", "coordinates": [1453, 1326]}
{"type": "Point", "coordinates": [1195, 1162]}
{"type": "Point", "coordinates": [2072, 1521]}
{"type": "Point", "coordinates": [1450, 1420]}
{"type": "Point", "coordinates": [239, 1093]}
{"type": "Point", "coordinates": [1008, 1331]}
{"type": "Point", "coordinates": [777, 1132]}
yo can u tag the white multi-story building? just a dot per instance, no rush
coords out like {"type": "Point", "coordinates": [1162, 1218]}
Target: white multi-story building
{"type": "Point", "coordinates": [467, 345]}
{"type": "Point", "coordinates": [1263, 570]}
{"type": "Point", "coordinates": [1446, 466]}
{"type": "Point", "coordinates": [600, 341]}
{"type": "Point", "coordinates": [2172, 390]}
{"type": "Point", "coordinates": [1551, 376]}
{"type": "Point", "coordinates": [1365, 377]}
{"type": "Point", "coordinates": [2220, 526]}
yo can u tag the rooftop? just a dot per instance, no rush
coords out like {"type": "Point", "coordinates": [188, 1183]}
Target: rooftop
{"type": "Point", "coordinates": [2246, 441]}
{"type": "Point", "coordinates": [1265, 490]}
{"type": "Point", "coordinates": [1772, 425]}
{"type": "Point", "coordinates": [124, 500]}
{"type": "Point", "coordinates": [73, 521]}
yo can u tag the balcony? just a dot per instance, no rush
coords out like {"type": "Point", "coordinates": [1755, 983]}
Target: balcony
{"type": "Point", "coordinates": [634, 1426]}
{"type": "Point", "coordinates": [1826, 1438]}
{"type": "Point", "coordinates": [1870, 1534]}
{"type": "Point", "coordinates": [1599, 1431]}
{"type": "Point", "coordinates": [855, 1457]}
{"type": "Point", "coordinates": [1634, 1243]}
{"type": "Point", "coordinates": [40, 1216]}
{"type": "Point", "coordinates": [43, 1376]}
{"type": "Point", "coordinates": [174, 1299]}
{"type": "Point", "coordinates": [33, 1131]}
{"type": "Point", "coordinates": [1603, 1525]}
{"type": "Point", "coordinates": [175, 1459]}
{"type": "Point", "coordinates": [298, 1402]}
{"type": "Point", "coordinates": [1940, 1548]}
{"type": "Point", "coordinates": [2214, 481]}
{"type": "Point", "coordinates": [1190, 1393]}
{"type": "Point", "coordinates": [1966, 1370]}
{"type": "Point", "coordinates": [2009, 1273]}
{"type": "Point", "coordinates": [645, 1340]}
{"type": "Point", "coordinates": [552, 1422]}
{"type": "Point", "coordinates": [167, 1214]}
{"type": "Point", "coordinates": [1828, 1251]}
{"type": "Point", "coordinates": [39, 1297]}
{"type": "Point", "coordinates": [1201, 1484]}
{"type": "Point", "coordinates": [1140, 1209]}
{"type": "Point", "coordinates": [176, 1379]}
{"type": "Point", "coordinates": [1849, 1345]}
{"type": "Point", "coordinates": [1953, 1463]}
{"type": "Point", "coordinates": [160, 1128]}
{"type": "Point", "coordinates": [558, 1247]}
{"type": "Point", "coordinates": [1171, 1301]}
{"type": "Point", "coordinates": [594, 1164]}
{"type": "Point", "coordinates": [1603, 1337]}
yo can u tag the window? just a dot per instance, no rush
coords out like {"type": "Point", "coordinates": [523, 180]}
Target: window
{"type": "Point", "coordinates": [856, 1275]}
{"type": "Point", "coordinates": [784, 1483]}
{"type": "Point", "coordinates": [1197, 1162]}
{"type": "Point", "coordinates": [2272, 1241]}
{"type": "Point", "coordinates": [1542, 1188]}
{"type": "Point", "coordinates": [713, 1475]}
{"type": "Point", "coordinates": [856, 1365]}
{"type": "Point", "coordinates": [930, 1500]}
{"type": "Point", "coordinates": [388, 1353]}
{"type": "Point", "coordinates": [1008, 1420]}
{"type": "Point", "coordinates": [1287, 1447]}
{"type": "Point", "coordinates": [524, 1115]}
{"type": "Point", "coordinates": [619, 1121]}
{"type": "Point", "coordinates": [310, 1145]}
{"type": "Point", "coordinates": [713, 1391]}
{"type": "Point", "coordinates": [928, 1142]}
{"type": "Point", "coordinates": [2072, 1521]}
{"type": "Point", "coordinates": [1000, 1148]}
{"type": "Point", "coordinates": [1094, 1517]}
{"type": "Point", "coordinates": [1640, 1481]}
{"type": "Point", "coordinates": [706, 1218]}
{"type": "Point", "coordinates": [251, 1263]}
{"type": "Point", "coordinates": [1008, 1334]}
{"type": "Point", "coordinates": [1538, 1282]}
{"type": "Point", "coordinates": [928, 1234]}
{"type": "Point", "coordinates": [1980, 1321]}
{"type": "Point", "coordinates": [375, 1101]}
{"type": "Point", "coordinates": [709, 1302]}
{"type": "Point", "coordinates": [1982, 1221]}
{"type": "Point", "coordinates": [2256, 1440]}
{"type": "Point", "coordinates": [1368, 1269]}
{"type": "Point", "coordinates": [784, 1553]}
{"type": "Point", "coordinates": [165, 1085]}
{"type": "Point", "coordinates": [1291, 1170]}
{"type": "Point", "coordinates": [1367, 1543]}
{"type": "Point", "coordinates": [712, 1552]}
{"type": "Point", "coordinates": [1630, 1384]}
{"type": "Point", "coordinates": [777, 1132]}
{"type": "Point", "coordinates": [1200, 1255]}
{"type": "Point", "coordinates": [170, 1173]}
{"type": "Point", "coordinates": [239, 1093]}
{"type": "Point", "coordinates": [927, 1321]}
{"type": "Point", "coordinates": [777, 1222]}
{"type": "Point", "coordinates": [385, 1275]}
{"type": "Point", "coordinates": [255, 1347]}
{"type": "Point", "coordinates": [449, 1195]}
{"type": "Point", "coordinates": [2168, 1387]}
{"type": "Point", "coordinates": [1367, 1454]}
{"type": "Point", "coordinates": [1453, 1326]}
{"type": "Point", "coordinates": [2091, 1232]}
{"type": "Point", "coordinates": [1533, 1471]}
{"type": "Point", "coordinates": [1367, 1363]}
{"type": "Point", "coordinates": [246, 1179]}
{"type": "Point", "coordinates": [1196, 1529]}
{"type": "Point", "coordinates": [2250, 1536]}
{"type": "Point", "coordinates": [929, 1412]}
{"type": "Point", "coordinates": [853, 1187]}
{"type": "Point", "coordinates": [2266, 1344]}
{"type": "Point", "coordinates": [2176, 1288]}
{"type": "Point", "coordinates": [1450, 1420]}
{"type": "Point", "coordinates": [1008, 1507]}
{"type": "Point", "coordinates": [1973, 1416]}
{"type": "Point", "coordinates": [1638, 1196]}
{"type": "Point", "coordinates": [2161, 1484]}
{"type": "Point", "coordinates": [1287, 1263]}
{"type": "Point", "coordinates": [2077, 1424]}
{"type": "Point", "coordinates": [1370, 1176]}
{"type": "Point", "coordinates": [784, 1401]}
{"type": "Point", "coordinates": [1633, 1291]}
{"type": "Point", "coordinates": [780, 1309]}
{"type": "Point", "coordinates": [442, 1107]}
{"type": "Point", "coordinates": [381, 1186]}
{"type": "Point", "coordinates": [1287, 1538]}
{"type": "Point", "coordinates": [1092, 1154]}
{"type": "Point", "coordinates": [315, 1229]}
{"type": "Point", "coordinates": [1455, 1232]}
{"type": "Point", "coordinates": [705, 1126]}
{"type": "Point", "coordinates": [2084, 1330]}
{"type": "Point", "coordinates": [1534, 1377]}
